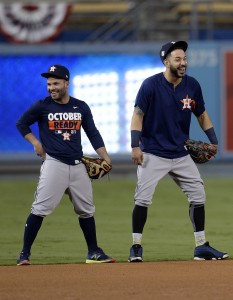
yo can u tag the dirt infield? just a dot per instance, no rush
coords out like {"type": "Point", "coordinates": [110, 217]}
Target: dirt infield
{"type": "Point", "coordinates": [149, 280]}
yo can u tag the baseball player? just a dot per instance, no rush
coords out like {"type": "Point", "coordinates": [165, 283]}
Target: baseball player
{"type": "Point", "coordinates": [59, 119]}
{"type": "Point", "coordinates": [159, 127]}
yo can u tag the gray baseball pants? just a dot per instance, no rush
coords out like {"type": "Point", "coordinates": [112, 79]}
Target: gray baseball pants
{"type": "Point", "coordinates": [55, 178]}
{"type": "Point", "coordinates": [182, 170]}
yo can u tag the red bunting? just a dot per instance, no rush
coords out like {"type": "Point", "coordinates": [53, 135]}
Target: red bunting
{"type": "Point", "coordinates": [33, 24]}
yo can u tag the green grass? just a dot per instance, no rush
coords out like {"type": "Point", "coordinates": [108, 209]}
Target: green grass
{"type": "Point", "coordinates": [168, 233]}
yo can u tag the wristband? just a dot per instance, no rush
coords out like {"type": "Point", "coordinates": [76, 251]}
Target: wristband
{"type": "Point", "coordinates": [211, 135]}
{"type": "Point", "coordinates": [135, 137]}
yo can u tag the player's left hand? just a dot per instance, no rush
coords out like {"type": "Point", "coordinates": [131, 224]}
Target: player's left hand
{"type": "Point", "coordinates": [201, 152]}
{"type": "Point", "coordinates": [96, 167]}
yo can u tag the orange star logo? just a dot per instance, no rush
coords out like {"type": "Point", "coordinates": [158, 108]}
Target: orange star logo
{"type": "Point", "coordinates": [188, 103]}
{"type": "Point", "coordinates": [66, 136]}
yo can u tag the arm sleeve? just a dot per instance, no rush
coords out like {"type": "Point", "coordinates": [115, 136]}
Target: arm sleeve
{"type": "Point", "coordinates": [91, 131]}
{"type": "Point", "coordinates": [29, 117]}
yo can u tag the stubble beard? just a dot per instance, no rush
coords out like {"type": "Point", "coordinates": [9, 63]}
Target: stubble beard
{"type": "Point", "coordinates": [175, 73]}
{"type": "Point", "coordinates": [59, 96]}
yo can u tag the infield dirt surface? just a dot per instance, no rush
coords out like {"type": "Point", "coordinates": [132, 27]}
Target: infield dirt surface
{"type": "Point", "coordinates": [176, 280]}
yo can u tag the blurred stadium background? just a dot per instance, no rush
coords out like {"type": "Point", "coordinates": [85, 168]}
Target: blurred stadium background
{"type": "Point", "coordinates": [110, 47]}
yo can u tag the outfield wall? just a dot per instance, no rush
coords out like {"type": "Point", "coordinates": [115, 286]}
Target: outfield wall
{"type": "Point", "coordinates": [107, 77]}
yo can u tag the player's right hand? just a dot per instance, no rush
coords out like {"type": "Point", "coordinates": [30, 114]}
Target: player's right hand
{"type": "Point", "coordinates": [137, 156]}
{"type": "Point", "coordinates": [39, 150]}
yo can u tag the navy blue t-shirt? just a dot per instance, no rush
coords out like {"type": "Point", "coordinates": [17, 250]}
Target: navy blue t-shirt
{"type": "Point", "coordinates": [59, 127]}
{"type": "Point", "coordinates": [167, 114]}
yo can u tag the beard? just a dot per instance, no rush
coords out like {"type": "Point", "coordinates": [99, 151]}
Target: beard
{"type": "Point", "coordinates": [178, 73]}
{"type": "Point", "coordinates": [58, 95]}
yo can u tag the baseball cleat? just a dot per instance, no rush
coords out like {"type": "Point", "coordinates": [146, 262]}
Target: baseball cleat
{"type": "Point", "coordinates": [135, 254]}
{"type": "Point", "coordinates": [23, 259]}
{"type": "Point", "coordinates": [98, 256]}
{"type": "Point", "coordinates": [205, 252]}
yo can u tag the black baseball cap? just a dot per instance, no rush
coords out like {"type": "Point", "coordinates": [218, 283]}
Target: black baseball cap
{"type": "Point", "coordinates": [57, 71]}
{"type": "Point", "coordinates": [169, 47]}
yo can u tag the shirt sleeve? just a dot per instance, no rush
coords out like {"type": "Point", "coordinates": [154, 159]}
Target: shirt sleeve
{"type": "Point", "coordinates": [90, 129]}
{"type": "Point", "coordinates": [144, 96]}
{"type": "Point", "coordinates": [29, 117]}
{"type": "Point", "coordinates": [200, 104]}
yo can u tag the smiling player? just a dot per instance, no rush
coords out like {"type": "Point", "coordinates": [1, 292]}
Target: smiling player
{"type": "Point", "coordinates": [59, 119]}
{"type": "Point", "coordinates": [159, 128]}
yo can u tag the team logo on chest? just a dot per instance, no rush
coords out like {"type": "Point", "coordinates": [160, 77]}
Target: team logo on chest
{"type": "Point", "coordinates": [65, 124]}
{"type": "Point", "coordinates": [66, 136]}
{"type": "Point", "coordinates": [188, 103]}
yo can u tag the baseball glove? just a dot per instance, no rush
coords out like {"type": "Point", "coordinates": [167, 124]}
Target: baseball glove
{"type": "Point", "coordinates": [201, 152]}
{"type": "Point", "coordinates": [96, 166]}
